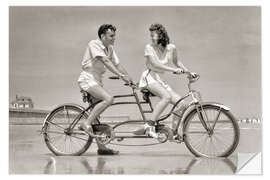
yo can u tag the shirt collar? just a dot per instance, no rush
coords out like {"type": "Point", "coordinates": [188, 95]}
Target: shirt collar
{"type": "Point", "coordinates": [100, 43]}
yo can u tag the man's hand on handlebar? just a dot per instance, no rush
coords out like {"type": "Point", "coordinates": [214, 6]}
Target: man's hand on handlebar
{"type": "Point", "coordinates": [128, 80]}
{"type": "Point", "coordinates": [125, 78]}
{"type": "Point", "coordinates": [178, 71]}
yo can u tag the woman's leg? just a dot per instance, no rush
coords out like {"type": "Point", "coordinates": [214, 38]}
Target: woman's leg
{"type": "Point", "coordinates": [174, 96]}
{"type": "Point", "coordinates": [160, 91]}
{"type": "Point", "coordinates": [163, 94]}
{"type": "Point", "coordinates": [179, 109]}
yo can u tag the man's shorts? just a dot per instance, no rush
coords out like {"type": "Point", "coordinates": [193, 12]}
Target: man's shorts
{"type": "Point", "coordinates": [86, 80]}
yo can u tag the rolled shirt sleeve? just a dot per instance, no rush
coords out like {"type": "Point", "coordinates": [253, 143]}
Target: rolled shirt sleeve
{"type": "Point", "coordinates": [148, 51]}
{"type": "Point", "coordinates": [96, 50]}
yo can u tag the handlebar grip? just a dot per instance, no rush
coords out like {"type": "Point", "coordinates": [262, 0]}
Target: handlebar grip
{"type": "Point", "coordinates": [114, 77]}
{"type": "Point", "coordinates": [178, 73]}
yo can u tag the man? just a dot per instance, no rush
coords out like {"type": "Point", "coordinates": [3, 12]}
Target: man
{"type": "Point", "coordinates": [98, 57]}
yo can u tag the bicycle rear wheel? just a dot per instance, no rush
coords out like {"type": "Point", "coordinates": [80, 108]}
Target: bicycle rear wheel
{"type": "Point", "coordinates": [59, 138]}
{"type": "Point", "coordinates": [221, 141]}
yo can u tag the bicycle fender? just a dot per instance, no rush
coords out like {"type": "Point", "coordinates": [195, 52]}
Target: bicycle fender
{"type": "Point", "coordinates": [211, 103]}
{"type": "Point", "coordinates": [67, 104]}
{"type": "Point", "coordinates": [217, 104]}
{"type": "Point", "coordinates": [192, 107]}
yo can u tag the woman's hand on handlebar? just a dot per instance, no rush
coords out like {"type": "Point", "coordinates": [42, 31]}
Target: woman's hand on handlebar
{"type": "Point", "coordinates": [190, 74]}
{"type": "Point", "coordinates": [193, 74]}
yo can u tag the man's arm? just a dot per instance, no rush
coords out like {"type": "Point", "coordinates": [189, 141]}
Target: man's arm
{"type": "Point", "coordinates": [109, 65]}
{"type": "Point", "coordinates": [121, 69]}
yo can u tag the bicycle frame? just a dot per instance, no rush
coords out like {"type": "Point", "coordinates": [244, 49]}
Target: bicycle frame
{"type": "Point", "coordinates": [137, 101]}
{"type": "Point", "coordinates": [195, 101]}
{"type": "Point", "coordinates": [195, 112]}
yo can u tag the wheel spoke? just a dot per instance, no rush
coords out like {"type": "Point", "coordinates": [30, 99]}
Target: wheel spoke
{"type": "Point", "coordinates": [198, 141]}
{"type": "Point", "coordinates": [79, 138]}
{"type": "Point", "coordinates": [213, 145]}
{"type": "Point", "coordinates": [55, 132]}
{"type": "Point", "coordinates": [56, 125]}
{"type": "Point", "coordinates": [63, 142]}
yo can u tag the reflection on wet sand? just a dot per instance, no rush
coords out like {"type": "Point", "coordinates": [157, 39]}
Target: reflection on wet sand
{"type": "Point", "coordinates": [193, 166]}
{"type": "Point", "coordinates": [50, 167]}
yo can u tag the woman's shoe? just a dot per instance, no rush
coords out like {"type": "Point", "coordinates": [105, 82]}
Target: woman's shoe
{"type": "Point", "coordinates": [150, 131]}
{"type": "Point", "coordinates": [140, 131]}
{"type": "Point", "coordinates": [146, 130]}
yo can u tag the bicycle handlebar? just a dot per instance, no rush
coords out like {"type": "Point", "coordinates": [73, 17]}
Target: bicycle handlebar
{"type": "Point", "coordinates": [131, 84]}
{"type": "Point", "coordinates": [191, 78]}
{"type": "Point", "coordinates": [114, 77]}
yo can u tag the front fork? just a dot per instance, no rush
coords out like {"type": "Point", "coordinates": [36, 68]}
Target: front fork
{"type": "Point", "coordinates": [203, 118]}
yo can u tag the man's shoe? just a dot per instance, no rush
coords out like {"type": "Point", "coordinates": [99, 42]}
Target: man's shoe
{"type": "Point", "coordinates": [107, 152]}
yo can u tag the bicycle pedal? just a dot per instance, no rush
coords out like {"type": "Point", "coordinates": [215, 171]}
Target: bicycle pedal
{"type": "Point", "coordinates": [119, 139]}
{"type": "Point", "coordinates": [177, 139]}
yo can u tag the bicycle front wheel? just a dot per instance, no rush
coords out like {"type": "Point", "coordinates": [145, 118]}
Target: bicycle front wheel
{"type": "Point", "coordinates": [220, 141]}
{"type": "Point", "coordinates": [62, 140]}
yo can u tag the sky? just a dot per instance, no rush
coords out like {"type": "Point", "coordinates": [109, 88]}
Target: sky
{"type": "Point", "coordinates": [222, 44]}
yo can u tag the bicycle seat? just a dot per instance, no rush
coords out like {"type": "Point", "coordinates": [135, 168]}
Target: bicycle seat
{"type": "Point", "coordinates": [87, 97]}
{"type": "Point", "coordinates": [146, 94]}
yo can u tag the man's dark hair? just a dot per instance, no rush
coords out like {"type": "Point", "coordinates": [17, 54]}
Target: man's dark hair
{"type": "Point", "coordinates": [163, 37]}
{"type": "Point", "coordinates": [104, 28]}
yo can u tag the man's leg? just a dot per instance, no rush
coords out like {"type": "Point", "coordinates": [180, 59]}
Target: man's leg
{"type": "Point", "coordinates": [100, 93]}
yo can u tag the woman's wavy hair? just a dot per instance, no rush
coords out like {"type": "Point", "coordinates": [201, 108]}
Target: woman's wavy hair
{"type": "Point", "coordinates": [164, 39]}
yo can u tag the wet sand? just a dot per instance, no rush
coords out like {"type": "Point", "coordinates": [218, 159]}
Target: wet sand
{"type": "Point", "coordinates": [29, 155]}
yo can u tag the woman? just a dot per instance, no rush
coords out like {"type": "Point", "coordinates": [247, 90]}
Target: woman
{"type": "Point", "coordinates": [158, 54]}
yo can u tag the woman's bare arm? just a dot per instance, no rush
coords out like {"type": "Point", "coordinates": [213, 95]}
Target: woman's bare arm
{"type": "Point", "coordinates": [177, 62]}
{"type": "Point", "coordinates": [159, 65]}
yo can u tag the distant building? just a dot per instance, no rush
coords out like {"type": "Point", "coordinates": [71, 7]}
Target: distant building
{"type": "Point", "coordinates": [22, 102]}
{"type": "Point", "coordinates": [253, 120]}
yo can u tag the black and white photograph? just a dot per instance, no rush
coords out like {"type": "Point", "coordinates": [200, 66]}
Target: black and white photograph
{"type": "Point", "coordinates": [135, 90]}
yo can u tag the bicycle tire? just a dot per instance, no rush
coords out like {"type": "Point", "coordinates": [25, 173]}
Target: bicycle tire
{"type": "Point", "coordinates": [190, 120]}
{"type": "Point", "coordinates": [61, 121]}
